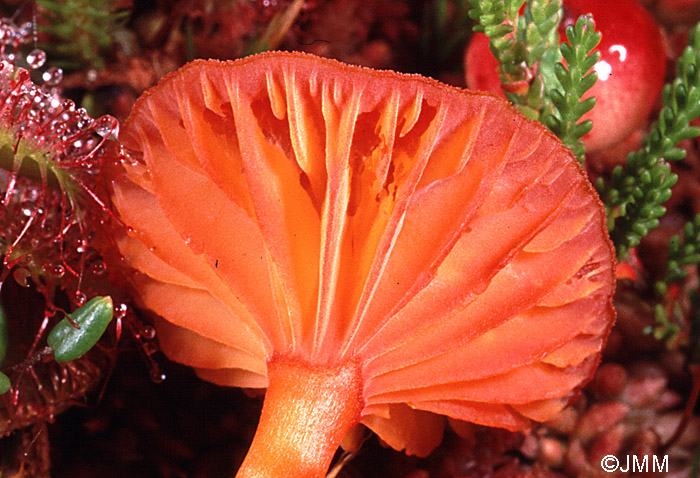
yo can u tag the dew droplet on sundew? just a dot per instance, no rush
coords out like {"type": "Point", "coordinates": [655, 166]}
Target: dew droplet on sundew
{"type": "Point", "coordinates": [58, 270]}
{"type": "Point", "coordinates": [52, 76]}
{"type": "Point", "coordinates": [157, 376]}
{"type": "Point", "coordinates": [148, 332]}
{"type": "Point", "coordinates": [25, 29]}
{"type": "Point", "coordinates": [120, 310]}
{"type": "Point", "coordinates": [98, 267]}
{"type": "Point", "coordinates": [27, 208]}
{"type": "Point", "coordinates": [22, 276]}
{"type": "Point", "coordinates": [36, 58]}
{"type": "Point", "coordinates": [7, 29]}
{"type": "Point", "coordinates": [107, 125]}
{"type": "Point", "coordinates": [80, 243]}
{"type": "Point", "coordinates": [80, 298]}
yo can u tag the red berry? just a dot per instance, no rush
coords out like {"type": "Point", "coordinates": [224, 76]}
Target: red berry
{"type": "Point", "coordinates": [481, 67]}
{"type": "Point", "coordinates": [630, 71]}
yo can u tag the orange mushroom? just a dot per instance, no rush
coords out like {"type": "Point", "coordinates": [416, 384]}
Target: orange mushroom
{"type": "Point", "coordinates": [372, 247]}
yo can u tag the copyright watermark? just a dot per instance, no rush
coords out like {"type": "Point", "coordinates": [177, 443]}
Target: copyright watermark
{"type": "Point", "coordinates": [635, 463]}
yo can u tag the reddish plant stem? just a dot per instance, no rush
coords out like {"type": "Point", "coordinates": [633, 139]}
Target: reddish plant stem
{"type": "Point", "coordinates": [687, 412]}
{"type": "Point", "coordinates": [307, 411]}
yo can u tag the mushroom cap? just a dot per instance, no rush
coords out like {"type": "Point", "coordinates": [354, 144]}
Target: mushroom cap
{"type": "Point", "coordinates": [291, 205]}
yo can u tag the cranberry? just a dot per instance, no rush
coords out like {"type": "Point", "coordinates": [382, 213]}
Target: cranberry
{"type": "Point", "coordinates": [630, 71]}
{"type": "Point", "coordinates": [481, 67]}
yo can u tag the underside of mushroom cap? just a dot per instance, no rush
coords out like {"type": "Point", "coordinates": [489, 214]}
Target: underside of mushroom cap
{"type": "Point", "coordinates": [294, 206]}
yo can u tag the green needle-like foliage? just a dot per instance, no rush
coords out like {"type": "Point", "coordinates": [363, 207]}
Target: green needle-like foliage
{"type": "Point", "coordinates": [682, 251]}
{"type": "Point", "coordinates": [525, 47]}
{"type": "Point", "coordinates": [539, 24]}
{"type": "Point", "coordinates": [498, 19]}
{"type": "Point", "coordinates": [81, 30]}
{"type": "Point", "coordinates": [490, 16]}
{"type": "Point", "coordinates": [666, 327]}
{"type": "Point", "coordinates": [635, 194]}
{"type": "Point", "coordinates": [576, 78]}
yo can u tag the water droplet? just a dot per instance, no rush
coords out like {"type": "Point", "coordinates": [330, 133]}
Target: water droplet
{"type": "Point", "coordinates": [91, 75]}
{"type": "Point", "coordinates": [148, 332]}
{"type": "Point", "coordinates": [107, 125]}
{"type": "Point", "coordinates": [25, 29]}
{"type": "Point", "coordinates": [36, 58]}
{"type": "Point", "coordinates": [80, 298]}
{"type": "Point", "coordinates": [6, 28]}
{"type": "Point", "coordinates": [27, 208]}
{"type": "Point", "coordinates": [83, 118]}
{"type": "Point", "coordinates": [58, 270]}
{"type": "Point", "coordinates": [80, 245]}
{"type": "Point", "coordinates": [22, 276]}
{"type": "Point", "coordinates": [120, 310]}
{"type": "Point", "coordinates": [157, 376]}
{"type": "Point", "coordinates": [98, 267]}
{"type": "Point", "coordinates": [52, 76]}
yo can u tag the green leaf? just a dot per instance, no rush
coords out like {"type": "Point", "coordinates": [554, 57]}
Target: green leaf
{"type": "Point", "coordinates": [4, 383]}
{"type": "Point", "coordinates": [79, 332]}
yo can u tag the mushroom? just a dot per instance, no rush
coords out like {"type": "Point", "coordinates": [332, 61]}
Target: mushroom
{"type": "Point", "coordinates": [372, 247]}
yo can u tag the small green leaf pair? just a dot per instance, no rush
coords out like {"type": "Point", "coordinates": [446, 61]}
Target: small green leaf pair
{"type": "Point", "coordinates": [72, 337]}
{"type": "Point", "coordinates": [77, 333]}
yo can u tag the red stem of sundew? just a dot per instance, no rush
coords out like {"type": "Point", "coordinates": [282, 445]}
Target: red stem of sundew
{"type": "Point", "coordinates": [307, 411]}
{"type": "Point", "coordinates": [687, 412]}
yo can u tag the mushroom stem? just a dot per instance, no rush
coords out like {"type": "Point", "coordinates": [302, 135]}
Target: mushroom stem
{"type": "Point", "coordinates": [307, 411]}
